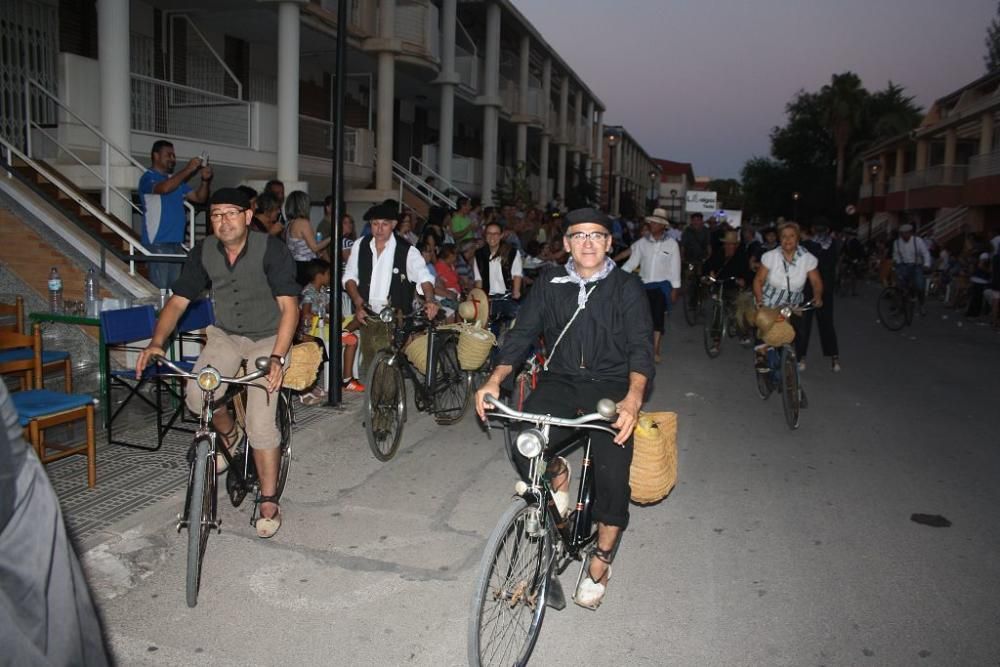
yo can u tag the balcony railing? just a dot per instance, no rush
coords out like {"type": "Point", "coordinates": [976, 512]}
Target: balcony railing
{"type": "Point", "coordinates": [316, 140]}
{"type": "Point", "coordinates": [417, 25]}
{"type": "Point", "coordinates": [467, 66]}
{"type": "Point", "coordinates": [164, 108]}
{"type": "Point", "coordinates": [896, 184]}
{"type": "Point", "coordinates": [938, 175]}
{"type": "Point", "coordinates": [509, 96]}
{"type": "Point", "coordinates": [984, 165]}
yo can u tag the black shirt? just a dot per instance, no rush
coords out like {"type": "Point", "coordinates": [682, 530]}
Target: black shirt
{"type": "Point", "coordinates": [610, 338]}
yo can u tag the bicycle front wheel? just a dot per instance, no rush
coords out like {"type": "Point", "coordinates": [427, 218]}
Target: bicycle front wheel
{"type": "Point", "coordinates": [790, 387]}
{"type": "Point", "coordinates": [384, 406]}
{"type": "Point", "coordinates": [892, 308]}
{"type": "Point", "coordinates": [714, 330]}
{"type": "Point", "coordinates": [511, 590]}
{"type": "Point", "coordinates": [283, 418]}
{"type": "Point", "coordinates": [451, 398]}
{"type": "Point", "coordinates": [199, 516]}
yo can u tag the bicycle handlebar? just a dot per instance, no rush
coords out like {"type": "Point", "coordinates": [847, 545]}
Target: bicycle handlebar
{"type": "Point", "coordinates": [606, 412]}
{"type": "Point", "coordinates": [263, 365]}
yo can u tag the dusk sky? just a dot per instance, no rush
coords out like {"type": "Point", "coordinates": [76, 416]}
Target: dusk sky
{"type": "Point", "coordinates": [705, 81]}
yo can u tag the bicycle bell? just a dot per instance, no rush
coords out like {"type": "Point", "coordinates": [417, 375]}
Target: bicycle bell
{"type": "Point", "coordinates": [607, 408]}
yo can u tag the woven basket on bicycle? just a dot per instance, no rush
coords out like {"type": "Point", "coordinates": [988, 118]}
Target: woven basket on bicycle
{"type": "Point", "coordinates": [654, 457]}
{"type": "Point", "coordinates": [474, 345]}
{"type": "Point", "coordinates": [304, 362]}
{"type": "Point", "coordinates": [746, 311]}
{"type": "Point", "coordinates": [416, 352]}
{"type": "Point", "coordinates": [375, 335]}
{"type": "Point", "coordinates": [772, 328]}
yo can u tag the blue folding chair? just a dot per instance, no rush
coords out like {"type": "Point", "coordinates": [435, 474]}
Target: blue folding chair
{"type": "Point", "coordinates": [120, 328]}
{"type": "Point", "coordinates": [39, 409]}
{"type": "Point", "coordinates": [50, 358]}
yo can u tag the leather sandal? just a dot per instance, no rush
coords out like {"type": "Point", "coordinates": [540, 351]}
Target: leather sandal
{"type": "Point", "coordinates": [268, 526]}
{"type": "Point", "coordinates": [589, 593]}
{"type": "Point", "coordinates": [229, 441]}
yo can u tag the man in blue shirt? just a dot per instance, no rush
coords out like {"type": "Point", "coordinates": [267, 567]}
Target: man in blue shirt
{"type": "Point", "coordinates": [163, 194]}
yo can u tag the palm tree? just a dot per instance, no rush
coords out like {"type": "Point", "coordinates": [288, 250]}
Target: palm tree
{"type": "Point", "coordinates": [844, 98]}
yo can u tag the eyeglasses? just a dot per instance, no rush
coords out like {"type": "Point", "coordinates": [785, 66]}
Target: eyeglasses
{"type": "Point", "coordinates": [580, 237]}
{"type": "Point", "coordinates": [232, 215]}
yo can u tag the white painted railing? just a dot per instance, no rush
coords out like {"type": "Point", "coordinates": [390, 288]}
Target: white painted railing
{"type": "Point", "coordinates": [420, 167]}
{"type": "Point", "coordinates": [203, 67]}
{"type": "Point", "coordinates": [417, 24]}
{"type": "Point", "coordinates": [984, 165]}
{"type": "Point", "coordinates": [165, 108]}
{"type": "Point", "coordinates": [942, 174]}
{"type": "Point", "coordinates": [36, 131]}
{"type": "Point", "coordinates": [414, 182]}
{"type": "Point", "coordinates": [316, 140]}
{"type": "Point", "coordinates": [949, 223]}
{"type": "Point", "coordinates": [467, 67]}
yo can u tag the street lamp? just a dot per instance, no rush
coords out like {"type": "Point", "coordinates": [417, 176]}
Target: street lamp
{"type": "Point", "coordinates": [612, 140]}
{"type": "Point", "coordinates": [673, 207]}
{"type": "Point", "coordinates": [795, 206]}
{"type": "Point", "coordinates": [873, 168]}
{"type": "Point", "coordinates": [653, 193]}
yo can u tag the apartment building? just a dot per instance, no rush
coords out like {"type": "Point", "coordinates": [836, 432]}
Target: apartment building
{"type": "Point", "coordinates": [944, 175]}
{"type": "Point", "coordinates": [631, 185]}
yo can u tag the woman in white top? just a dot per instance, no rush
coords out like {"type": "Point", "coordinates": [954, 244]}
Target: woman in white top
{"type": "Point", "coordinates": [782, 277]}
{"type": "Point", "coordinates": [300, 236]}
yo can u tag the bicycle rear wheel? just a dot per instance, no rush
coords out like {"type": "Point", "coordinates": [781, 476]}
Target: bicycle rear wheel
{"type": "Point", "coordinates": [451, 395]}
{"type": "Point", "coordinates": [511, 591]}
{"type": "Point", "coordinates": [199, 515]}
{"type": "Point", "coordinates": [790, 387]}
{"type": "Point", "coordinates": [692, 304]}
{"type": "Point", "coordinates": [714, 329]}
{"type": "Point", "coordinates": [892, 308]}
{"type": "Point", "coordinates": [385, 402]}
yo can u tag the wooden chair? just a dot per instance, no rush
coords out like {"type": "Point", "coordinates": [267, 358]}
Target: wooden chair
{"type": "Point", "coordinates": [51, 359]}
{"type": "Point", "coordinates": [40, 409]}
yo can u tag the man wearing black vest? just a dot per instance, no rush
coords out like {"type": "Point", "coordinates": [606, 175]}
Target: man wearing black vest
{"type": "Point", "coordinates": [252, 280]}
{"type": "Point", "coordinates": [384, 270]}
{"type": "Point", "coordinates": [497, 270]}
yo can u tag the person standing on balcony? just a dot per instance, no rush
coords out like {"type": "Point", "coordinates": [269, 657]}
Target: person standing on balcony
{"type": "Point", "coordinates": [163, 195]}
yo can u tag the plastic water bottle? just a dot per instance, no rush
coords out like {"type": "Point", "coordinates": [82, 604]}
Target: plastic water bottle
{"type": "Point", "coordinates": [319, 236]}
{"type": "Point", "coordinates": [91, 292]}
{"type": "Point", "coordinates": [55, 291]}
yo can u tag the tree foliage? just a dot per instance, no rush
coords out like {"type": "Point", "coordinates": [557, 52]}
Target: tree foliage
{"type": "Point", "coordinates": [992, 56]}
{"type": "Point", "coordinates": [825, 129]}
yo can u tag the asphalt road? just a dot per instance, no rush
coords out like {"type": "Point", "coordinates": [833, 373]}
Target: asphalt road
{"type": "Point", "coordinates": [776, 547]}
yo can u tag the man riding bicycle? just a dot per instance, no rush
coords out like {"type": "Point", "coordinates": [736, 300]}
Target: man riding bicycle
{"type": "Point", "coordinates": [596, 319]}
{"type": "Point", "coordinates": [251, 277]}
{"type": "Point", "coordinates": [696, 241]}
{"type": "Point", "coordinates": [498, 271]}
{"type": "Point", "coordinates": [383, 269]}
{"type": "Point", "coordinates": [911, 258]}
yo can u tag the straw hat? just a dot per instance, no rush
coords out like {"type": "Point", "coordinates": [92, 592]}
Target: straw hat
{"type": "Point", "coordinates": [659, 217]}
{"type": "Point", "coordinates": [476, 308]}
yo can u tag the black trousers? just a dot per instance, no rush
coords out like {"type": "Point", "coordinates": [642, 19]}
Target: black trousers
{"type": "Point", "coordinates": [827, 334]}
{"type": "Point", "coordinates": [561, 396]}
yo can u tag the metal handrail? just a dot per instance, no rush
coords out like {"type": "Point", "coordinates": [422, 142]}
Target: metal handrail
{"type": "Point", "coordinates": [218, 58]}
{"type": "Point", "coordinates": [106, 147]}
{"type": "Point", "coordinates": [426, 168]}
{"type": "Point", "coordinates": [110, 223]}
{"type": "Point", "coordinates": [419, 186]}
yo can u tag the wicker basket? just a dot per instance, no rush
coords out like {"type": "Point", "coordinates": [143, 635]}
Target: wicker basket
{"type": "Point", "coordinates": [374, 337]}
{"type": "Point", "coordinates": [780, 333]}
{"type": "Point", "coordinates": [416, 352]}
{"type": "Point", "coordinates": [654, 458]}
{"type": "Point", "coordinates": [474, 345]}
{"type": "Point", "coordinates": [304, 362]}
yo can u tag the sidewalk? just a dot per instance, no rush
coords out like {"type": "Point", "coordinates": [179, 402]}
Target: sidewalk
{"type": "Point", "coordinates": [132, 483]}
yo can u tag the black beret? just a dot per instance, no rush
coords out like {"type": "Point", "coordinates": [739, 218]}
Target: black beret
{"type": "Point", "coordinates": [233, 196]}
{"type": "Point", "coordinates": [383, 211]}
{"type": "Point", "coordinates": [581, 215]}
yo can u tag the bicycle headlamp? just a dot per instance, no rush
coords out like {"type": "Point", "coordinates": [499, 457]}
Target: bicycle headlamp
{"type": "Point", "coordinates": [209, 379]}
{"type": "Point", "coordinates": [530, 442]}
{"type": "Point", "coordinates": [386, 315]}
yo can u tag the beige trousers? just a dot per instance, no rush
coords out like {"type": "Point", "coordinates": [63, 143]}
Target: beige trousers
{"type": "Point", "coordinates": [225, 353]}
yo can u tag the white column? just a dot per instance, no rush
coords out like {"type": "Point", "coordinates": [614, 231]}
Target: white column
{"type": "Point", "coordinates": [288, 91]}
{"type": "Point", "coordinates": [577, 117]}
{"type": "Point", "coordinates": [115, 91]}
{"type": "Point", "coordinates": [447, 79]}
{"type": "Point", "coordinates": [492, 101]}
{"type": "Point", "coordinates": [525, 72]}
{"type": "Point", "coordinates": [386, 92]}
{"type": "Point", "coordinates": [563, 137]}
{"type": "Point", "coordinates": [590, 140]}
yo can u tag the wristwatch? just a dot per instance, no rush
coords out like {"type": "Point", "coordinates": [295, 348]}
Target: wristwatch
{"type": "Point", "coordinates": [281, 359]}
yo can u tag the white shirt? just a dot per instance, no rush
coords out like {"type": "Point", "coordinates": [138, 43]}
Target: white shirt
{"type": "Point", "coordinates": [913, 251]}
{"type": "Point", "coordinates": [497, 285]}
{"type": "Point", "coordinates": [656, 260]}
{"type": "Point", "coordinates": [786, 280]}
{"type": "Point", "coordinates": [382, 271]}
